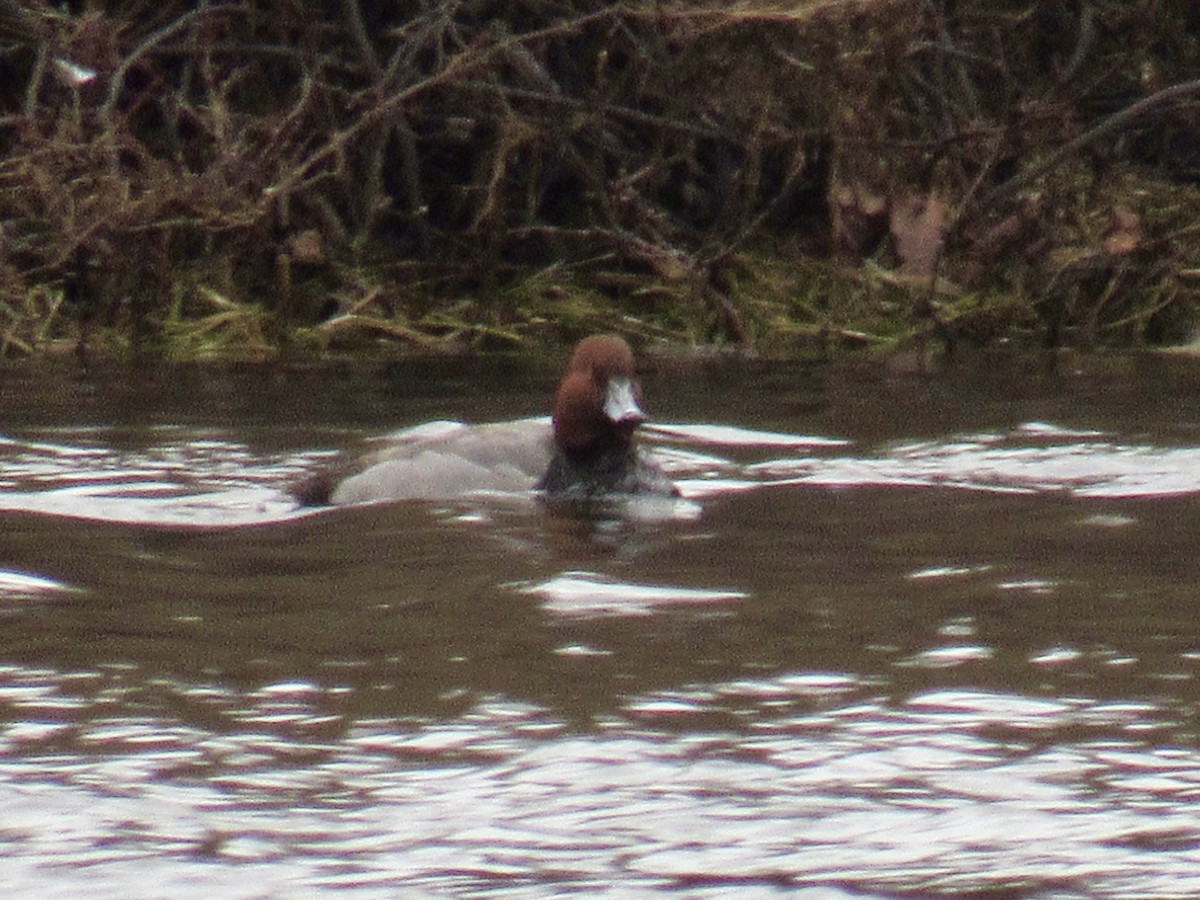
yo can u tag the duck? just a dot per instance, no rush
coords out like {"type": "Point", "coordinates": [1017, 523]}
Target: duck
{"type": "Point", "coordinates": [596, 411]}
{"type": "Point", "coordinates": [587, 451]}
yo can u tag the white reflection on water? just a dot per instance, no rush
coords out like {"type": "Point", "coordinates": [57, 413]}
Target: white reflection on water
{"type": "Point", "coordinates": [585, 594]}
{"type": "Point", "coordinates": [23, 586]}
{"type": "Point", "coordinates": [1035, 457]}
{"type": "Point", "coordinates": [156, 504]}
{"type": "Point", "coordinates": [1005, 462]}
{"type": "Point", "coordinates": [180, 477]}
{"type": "Point", "coordinates": [947, 791]}
{"type": "Point", "coordinates": [189, 477]}
{"type": "Point", "coordinates": [114, 785]}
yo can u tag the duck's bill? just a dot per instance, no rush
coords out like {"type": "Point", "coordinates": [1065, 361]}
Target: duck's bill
{"type": "Point", "coordinates": [620, 402]}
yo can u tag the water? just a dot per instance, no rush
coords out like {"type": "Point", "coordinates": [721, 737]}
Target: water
{"type": "Point", "coordinates": [906, 635]}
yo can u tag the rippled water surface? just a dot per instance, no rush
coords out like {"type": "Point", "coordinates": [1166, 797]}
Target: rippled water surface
{"type": "Point", "coordinates": [904, 635]}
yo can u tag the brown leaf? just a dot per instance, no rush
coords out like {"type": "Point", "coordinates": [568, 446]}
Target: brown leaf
{"type": "Point", "coordinates": [1124, 233]}
{"type": "Point", "coordinates": [918, 226]}
{"type": "Point", "coordinates": [859, 219]}
{"type": "Point", "coordinates": [307, 247]}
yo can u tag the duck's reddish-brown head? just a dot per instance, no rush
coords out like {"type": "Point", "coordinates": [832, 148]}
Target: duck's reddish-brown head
{"type": "Point", "coordinates": [597, 405]}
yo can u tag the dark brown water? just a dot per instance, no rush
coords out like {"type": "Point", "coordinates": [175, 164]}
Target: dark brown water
{"type": "Point", "coordinates": [906, 636]}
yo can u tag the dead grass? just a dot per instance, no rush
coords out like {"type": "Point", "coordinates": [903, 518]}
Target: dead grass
{"type": "Point", "coordinates": [443, 177]}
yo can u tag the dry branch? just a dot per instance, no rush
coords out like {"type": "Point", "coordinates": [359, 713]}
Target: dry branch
{"type": "Point", "coordinates": [436, 150]}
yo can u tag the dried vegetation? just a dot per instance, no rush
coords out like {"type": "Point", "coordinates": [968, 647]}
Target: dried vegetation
{"type": "Point", "coordinates": [245, 177]}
